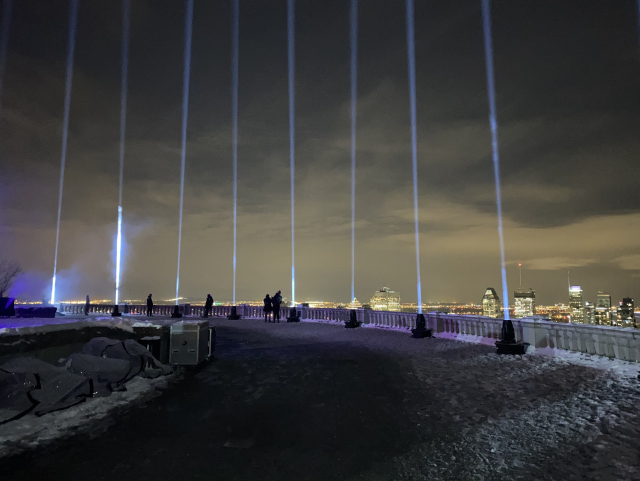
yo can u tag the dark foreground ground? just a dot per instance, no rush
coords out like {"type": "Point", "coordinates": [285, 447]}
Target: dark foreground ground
{"type": "Point", "coordinates": [310, 401]}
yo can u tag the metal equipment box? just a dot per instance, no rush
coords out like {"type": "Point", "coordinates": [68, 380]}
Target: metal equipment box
{"type": "Point", "coordinates": [191, 342]}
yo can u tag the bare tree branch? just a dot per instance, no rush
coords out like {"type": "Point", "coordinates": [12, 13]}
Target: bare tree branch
{"type": "Point", "coordinates": [8, 273]}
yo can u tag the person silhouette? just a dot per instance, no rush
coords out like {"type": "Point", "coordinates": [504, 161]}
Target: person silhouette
{"type": "Point", "coordinates": [268, 307]}
{"type": "Point", "coordinates": [276, 300]}
{"type": "Point", "coordinates": [149, 306]}
{"type": "Point", "coordinates": [208, 305]}
{"type": "Point", "coordinates": [87, 303]}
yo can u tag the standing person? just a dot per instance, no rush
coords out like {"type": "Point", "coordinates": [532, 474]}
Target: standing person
{"type": "Point", "coordinates": [149, 306]}
{"type": "Point", "coordinates": [268, 307]}
{"type": "Point", "coordinates": [276, 301]}
{"type": "Point", "coordinates": [87, 303]}
{"type": "Point", "coordinates": [208, 305]}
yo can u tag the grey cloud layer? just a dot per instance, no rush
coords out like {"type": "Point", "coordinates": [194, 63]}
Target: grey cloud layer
{"type": "Point", "coordinates": [568, 142]}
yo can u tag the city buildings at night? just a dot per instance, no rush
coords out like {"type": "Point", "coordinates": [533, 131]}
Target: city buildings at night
{"type": "Point", "coordinates": [491, 303]}
{"type": "Point", "coordinates": [524, 303]}
{"type": "Point", "coordinates": [576, 304]}
{"type": "Point", "coordinates": [625, 313]}
{"type": "Point", "coordinates": [385, 300]}
{"type": "Point", "coordinates": [603, 309]}
{"type": "Point", "coordinates": [589, 313]}
{"type": "Point", "coordinates": [355, 304]}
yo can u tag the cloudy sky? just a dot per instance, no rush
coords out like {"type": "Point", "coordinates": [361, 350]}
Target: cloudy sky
{"type": "Point", "coordinates": [568, 101]}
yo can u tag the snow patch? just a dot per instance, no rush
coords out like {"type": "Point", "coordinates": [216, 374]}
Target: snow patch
{"type": "Point", "coordinates": [31, 431]}
{"type": "Point", "coordinates": [22, 327]}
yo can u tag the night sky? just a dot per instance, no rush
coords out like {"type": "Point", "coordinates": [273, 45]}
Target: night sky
{"type": "Point", "coordinates": [568, 103]}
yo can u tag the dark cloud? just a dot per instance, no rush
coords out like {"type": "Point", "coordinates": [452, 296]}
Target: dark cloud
{"type": "Point", "coordinates": [568, 108]}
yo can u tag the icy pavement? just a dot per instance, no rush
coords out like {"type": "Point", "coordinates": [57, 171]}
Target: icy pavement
{"type": "Point", "coordinates": [313, 401]}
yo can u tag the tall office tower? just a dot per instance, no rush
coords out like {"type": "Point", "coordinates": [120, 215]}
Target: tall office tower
{"type": "Point", "coordinates": [589, 313]}
{"type": "Point", "coordinates": [576, 304]}
{"type": "Point", "coordinates": [625, 313]}
{"type": "Point", "coordinates": [491, 303]}
{"type": "Point", "coordinates": [525, 302]}
{"type": "Point", "coordinates": [603, 309]}
{"type": "Point", "coordinates": [385, 300]}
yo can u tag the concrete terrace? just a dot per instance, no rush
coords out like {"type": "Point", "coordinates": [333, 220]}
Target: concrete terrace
{"type": "Point", "coordinates": [314, 401]}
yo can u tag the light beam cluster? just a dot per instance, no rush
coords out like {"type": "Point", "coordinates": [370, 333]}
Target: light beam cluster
{"type": "Point", "coordinates": [235, 11]}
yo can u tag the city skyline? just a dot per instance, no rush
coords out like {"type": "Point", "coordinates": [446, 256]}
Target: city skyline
{"type": "Point", "coordinates": [566, 116]}
{"type": "Point", "coordinates": [524, 302]}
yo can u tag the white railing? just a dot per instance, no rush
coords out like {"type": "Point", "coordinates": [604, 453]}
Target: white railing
{"type": "Point", "coordinates": [612, 342]}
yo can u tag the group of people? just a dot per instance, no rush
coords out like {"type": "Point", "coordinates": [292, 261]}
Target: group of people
{"type": "Point", "coordinates": [207, 305]}
{"type": "Point", "coordinates": [272, 307]}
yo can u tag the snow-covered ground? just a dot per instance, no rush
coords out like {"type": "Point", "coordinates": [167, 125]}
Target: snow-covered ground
{"type": "Point", "coordinates": [566, 414]}
{"type": "Point", "coordinates": [31, 431]}
{"type": "Point", "coordinates": [552, 414]}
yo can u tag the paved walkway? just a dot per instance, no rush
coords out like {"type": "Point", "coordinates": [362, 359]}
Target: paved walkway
{"type": "Point", "coordinates": [312, 401]}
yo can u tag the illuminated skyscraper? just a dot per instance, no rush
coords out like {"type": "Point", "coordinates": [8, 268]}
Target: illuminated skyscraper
{"type": "Point", "coordinates": [603, 309]}
{"type": "Point", "coordinates": [525, 302]}
{"type": "Point", "coordinates": [491, 303]}
{"type": "Point", "coordinates": [385, 300]}
{"type": "Point", "coordinates": [576, 304]}
{"type": "Point", "coordinates": [589, 313]}
{"type": "Point", "coordinates": [625, 313]}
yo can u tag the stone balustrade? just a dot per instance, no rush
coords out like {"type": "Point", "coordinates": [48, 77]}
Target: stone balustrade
{"type": "Point", "coordinates": [609, 341]}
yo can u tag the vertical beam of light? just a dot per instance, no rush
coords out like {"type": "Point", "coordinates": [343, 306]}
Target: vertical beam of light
{"type": "Point", "coordinates": [71, 45]}
{"type": "Point", "coordinates": [235, 32]}
{"type": "Point", "coordinates": [118, 246]}
{"type": "Point", "coordinates": [292, 66]}
{"type": "Point", "coordinates": [126, 13]}
{"type": "Point", "coordinates": [414, 143]}
{"type": "Point", "coordinates": [4, 41]}
{"type": "Point", "coordinates": [188, 23]}
{"type": "Point", "coordinates": [491, 91]}
{"type": "Point", "coordinates": [354, 96]}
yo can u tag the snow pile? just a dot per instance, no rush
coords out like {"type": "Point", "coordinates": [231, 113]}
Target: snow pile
{"type": "Point", "coordinates": [22, 327]}
{"type": "Point", "coordinates": [618, 367]}
{"type": "Point", "coordinates": [156, 323]}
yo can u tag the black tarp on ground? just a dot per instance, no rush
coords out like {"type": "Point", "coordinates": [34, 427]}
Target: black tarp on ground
{"type": "Point", "coordinates": [56, 388]}
{"type": "Point", "coordinates": [107, 375]}
{"type": "Point", "coordinates": [104, 365]}
{"type": "Point", "coordinates": [14, 394]}
{"type": "Point", "coordinates": [142, 361]}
